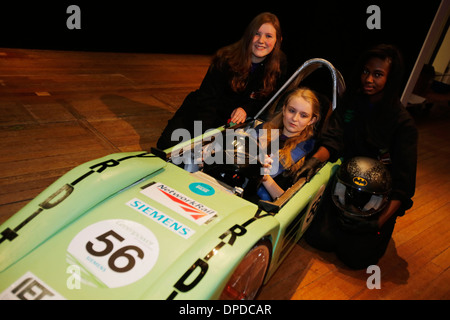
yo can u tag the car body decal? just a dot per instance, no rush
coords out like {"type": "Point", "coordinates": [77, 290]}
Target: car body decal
{"type": "Point", "coordinates": [30, 287]}
{"type": "Point", "coordinates": [229, 237]}
{"type": "Point", "coordinates": [202, 189]}
{"type": "Point", "coordinates": [114, 252]}
{"type": "Point", "coordinates": [161, 218]}
{"type": "Point", "coordinates": [179, 202]}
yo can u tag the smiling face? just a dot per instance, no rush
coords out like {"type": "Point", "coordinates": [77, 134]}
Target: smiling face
{"type": "Point", "coordinates": [297, 115]}
{"type": "Point", "coordinates": [374, 76]}
{"type": "Point", "coordinates": [263, 42]}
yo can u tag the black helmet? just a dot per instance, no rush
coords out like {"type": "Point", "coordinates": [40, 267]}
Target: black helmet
{"type": "Point", "coordinates": [361, 187]}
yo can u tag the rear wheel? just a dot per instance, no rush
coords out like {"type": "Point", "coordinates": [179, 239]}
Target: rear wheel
{"type": "Point", "coordinates": [248, 277]}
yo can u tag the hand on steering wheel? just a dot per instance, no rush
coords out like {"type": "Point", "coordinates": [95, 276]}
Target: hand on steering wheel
{"type": "Point", "coordinates": [267, 166]}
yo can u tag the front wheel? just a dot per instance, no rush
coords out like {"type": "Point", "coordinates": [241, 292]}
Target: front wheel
{"type": "Point", "coordinates": [248, 277]}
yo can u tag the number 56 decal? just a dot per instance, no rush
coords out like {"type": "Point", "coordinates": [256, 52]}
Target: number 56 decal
{"type": "Point", "coordinates": [116, 252]}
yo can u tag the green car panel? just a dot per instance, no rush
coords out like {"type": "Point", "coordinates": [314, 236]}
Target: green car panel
{"type": "Point", "coordinates": [106, 195]}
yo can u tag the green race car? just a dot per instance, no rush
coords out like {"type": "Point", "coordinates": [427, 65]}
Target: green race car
{"type": "Point", "coordinates": [142, 225]}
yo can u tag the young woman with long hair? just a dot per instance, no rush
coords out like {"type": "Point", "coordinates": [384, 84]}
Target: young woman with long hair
{"type": "Point", "coordinates": [295, 124]}
{"type": "Point", "coordinates": [240, 79]}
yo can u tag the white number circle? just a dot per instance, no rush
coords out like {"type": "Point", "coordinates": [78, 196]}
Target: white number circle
{"type": "Point", "coordinates": [116, 252]}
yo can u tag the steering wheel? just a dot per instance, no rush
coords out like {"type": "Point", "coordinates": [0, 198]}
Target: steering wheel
{"type": "Point", "coordinates": [233, 159]}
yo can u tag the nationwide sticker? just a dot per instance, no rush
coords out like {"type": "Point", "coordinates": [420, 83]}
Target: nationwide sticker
{"type": "Point", "coordinates": [180, 203]}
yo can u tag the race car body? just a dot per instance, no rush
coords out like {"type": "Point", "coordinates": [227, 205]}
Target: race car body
{"type": "Point", "coordinates": [138, 226]}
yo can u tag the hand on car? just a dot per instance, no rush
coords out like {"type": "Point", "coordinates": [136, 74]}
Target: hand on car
{"type": "Point", "coordinates": [309, 168]}
{"type": "Point", "coordinates": [238, 115]}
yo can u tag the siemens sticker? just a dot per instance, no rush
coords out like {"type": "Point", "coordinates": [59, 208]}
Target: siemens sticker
{"type": "Point", "coordinates": [161, 218]}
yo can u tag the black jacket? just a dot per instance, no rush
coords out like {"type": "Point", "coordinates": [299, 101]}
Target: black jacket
{"type": "Point", "coordinates": [215, 100]}
{"type": "Point", "coordinates": [384, 131]}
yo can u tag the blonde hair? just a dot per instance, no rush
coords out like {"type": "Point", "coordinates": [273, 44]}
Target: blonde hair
{"type": "Point", "coordinates": [291, 143]}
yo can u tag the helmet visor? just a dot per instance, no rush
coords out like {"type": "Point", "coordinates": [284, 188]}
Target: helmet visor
{"type": "Point", "coordinates": [357, 202]}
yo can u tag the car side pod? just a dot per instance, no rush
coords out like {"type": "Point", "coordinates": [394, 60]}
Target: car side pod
{"type": "Point", "coordinates": [268, 206]}
{"type": "Point", "coordinates": [69, 198]}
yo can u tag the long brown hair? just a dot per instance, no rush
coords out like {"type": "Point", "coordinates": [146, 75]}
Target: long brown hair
{"type": "Point", "coordinates": [238, 56]}
{"type": "Point", "coordinates": [307, 133]}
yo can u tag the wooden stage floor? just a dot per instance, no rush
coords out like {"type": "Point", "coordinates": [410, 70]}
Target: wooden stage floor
{"type": "Point", "coordinates": [60, 109]}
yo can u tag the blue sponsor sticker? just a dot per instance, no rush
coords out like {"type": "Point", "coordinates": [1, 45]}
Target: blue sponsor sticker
{"type": "Point", "coordinates": [202, 189]}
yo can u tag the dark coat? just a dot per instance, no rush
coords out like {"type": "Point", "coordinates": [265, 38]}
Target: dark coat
{"type": "Point", "coordinates": [385, 131]}
{"type": "Point", "coordinates": [215, 100]}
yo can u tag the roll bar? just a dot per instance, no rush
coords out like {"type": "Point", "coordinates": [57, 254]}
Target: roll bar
{"type": "Point", "coordinates": [304, 71]}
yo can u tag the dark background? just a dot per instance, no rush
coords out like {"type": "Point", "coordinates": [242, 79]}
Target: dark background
{"type": "Point", "coordinates": [333, 30]}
